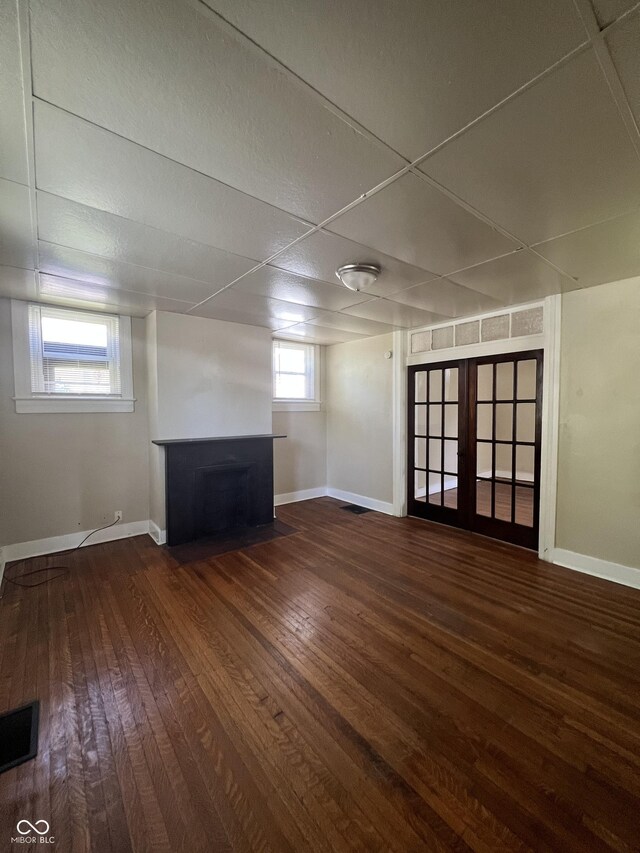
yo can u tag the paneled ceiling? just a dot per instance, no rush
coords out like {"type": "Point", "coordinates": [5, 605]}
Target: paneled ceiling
{"type": "Point", "coordinates": [223, 158]}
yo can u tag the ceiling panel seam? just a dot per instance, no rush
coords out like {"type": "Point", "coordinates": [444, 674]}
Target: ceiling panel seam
{"type": "Point", "coordinates": [70, 277]}
{"type": "Point", "coordinates": [624, 17]}
{"type": "Point", "coordinates": [609, 70]}
{"type": "Point", "coordinates": [37, 98]}
{"type": "Point", "coordinates": [568, 57]}
{"type": "Point", "coordinates": [522, 245]}
{"type": "Point", "coordinates": [409, 167]}
{"type": "Point", "coordinates": [120, 262]}
{"type": "Point", "coordinates": [315, 229]}
{"type": "Point", "coordinates": [204, 9]}
{"type": "Point", "coordinates": [144, 225]}
{"type": "Point", "coordinates": [225, 24]}
{"type": "Point", "coordinates": [633, 212]}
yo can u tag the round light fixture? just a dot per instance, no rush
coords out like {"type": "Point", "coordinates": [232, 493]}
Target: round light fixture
{"type": "Point", "coordinates": [358, 276]}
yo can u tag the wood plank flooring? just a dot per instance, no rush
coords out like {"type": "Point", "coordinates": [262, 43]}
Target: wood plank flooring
{"type": "Point", "coordinates": [367, 683]}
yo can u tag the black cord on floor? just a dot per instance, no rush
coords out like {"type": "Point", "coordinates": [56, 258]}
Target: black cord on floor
{"type": "Point", "coordinates": [62, 570]}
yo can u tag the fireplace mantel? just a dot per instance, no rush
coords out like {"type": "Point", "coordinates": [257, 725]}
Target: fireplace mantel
{"type": "Point", "coordinates": [162, 442]}
{"type": "Point", "coordinates": [217, 484]}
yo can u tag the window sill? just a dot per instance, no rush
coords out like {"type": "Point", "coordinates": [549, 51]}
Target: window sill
{"type": "Point", "coordinates": [296, 406]}
{"type": "Point", "coordinates": [71, 405]}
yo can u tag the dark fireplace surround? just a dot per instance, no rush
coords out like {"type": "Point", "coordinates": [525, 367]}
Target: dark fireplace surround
{"type": "Point", "coordinates": [217, 486]}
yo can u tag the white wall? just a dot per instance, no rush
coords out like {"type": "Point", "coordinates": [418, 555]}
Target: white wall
{"type": "Point", "coordinates": [213, 377]}
{"type": "Point", "coordinates": [360, 418]}
{"type": "Point", "coordinates": [63, 473]}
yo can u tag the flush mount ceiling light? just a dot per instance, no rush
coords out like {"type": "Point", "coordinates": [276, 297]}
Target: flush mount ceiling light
{"type": "Point", "coordinates": [358, 276]}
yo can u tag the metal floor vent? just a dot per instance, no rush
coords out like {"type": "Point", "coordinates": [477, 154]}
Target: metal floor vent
{"type": "Point", "coordinates": [18, 736]}
{"type": "Point", "coordinates": [355, 509]}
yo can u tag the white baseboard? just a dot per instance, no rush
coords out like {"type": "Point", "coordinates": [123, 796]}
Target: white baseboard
{"type": "Point", "coordinates": [158, 535]}
{"type": "Point", "coordinates": [36, 547]}
{"type": "Point", "coordinates": [327, 491]}
{"type": "Point", "coordinates": [361, 500]}
{"type": "Point", "coordinates": [303, 495]}
{"type": "Point", "coordinates": [599, 568]}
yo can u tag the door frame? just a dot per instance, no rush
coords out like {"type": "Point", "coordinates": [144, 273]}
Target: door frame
{"type": "Point", "coordinates": [549, 342]}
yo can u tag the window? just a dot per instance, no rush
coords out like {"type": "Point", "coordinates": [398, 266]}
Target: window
{"type": "Point", "coordinates": [295, 376]}
{"type": "Point", "coordinates": [71, 361]}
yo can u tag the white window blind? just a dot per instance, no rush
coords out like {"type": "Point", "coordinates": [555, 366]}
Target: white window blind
{"type": "Point", "coordinates": [293, 371]}
{"type": "Point", "coordinates": [74, 352]}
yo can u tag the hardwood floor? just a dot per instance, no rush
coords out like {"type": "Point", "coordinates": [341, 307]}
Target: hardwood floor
{"type": "Point", "coordinates": [367, 683]}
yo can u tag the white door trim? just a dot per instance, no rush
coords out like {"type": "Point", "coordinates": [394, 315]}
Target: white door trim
{"type": "Point", "coordinates": [399, 423]}
{"type": "Point", "coordinates": [550, 421]}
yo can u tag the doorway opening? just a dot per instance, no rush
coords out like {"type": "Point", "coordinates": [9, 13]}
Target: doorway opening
{"type": "Point", "coordinates": [474, 444]}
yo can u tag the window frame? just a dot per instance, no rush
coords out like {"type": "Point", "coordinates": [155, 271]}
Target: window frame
{"type": "Point", "coordinates": [26, 401]}
{"type": "Point", "coordinates": [298, 404]}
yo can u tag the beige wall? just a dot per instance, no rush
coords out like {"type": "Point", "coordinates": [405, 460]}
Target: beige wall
{"type": "Point", "coordinates": [63, 473]}
{"type": "Point", "coordinates": [360, 418]}
{"type": "Point", "coordinates": [300, 460]}
{"type": "Point", "coordinates": [599, 447]}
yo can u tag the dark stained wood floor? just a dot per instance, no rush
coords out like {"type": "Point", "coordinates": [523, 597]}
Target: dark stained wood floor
{"type": "Point", "coordinates": [367, 683]}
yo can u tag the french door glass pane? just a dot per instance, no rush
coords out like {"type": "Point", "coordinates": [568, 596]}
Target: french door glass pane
{"type": "Point", "coordinates": [484, 459]}
{"type": "Point", "coordinates": [527, 380]}
{"type": "Point", "coordinates": [451, 456]}
{"type": "Point", "coordinates": [451, 384]}
{"type": "Point", "coordinates": [526, 422]}
{"type": "Point", "coordinates": [504, 463]}
{"type": "Point", "coordinates": [483, 498]}
{"type": "Point", "coordinates": [485, 382]}
{"type": "Point", "coordinates": [503, 501]}
{"type": "Point", "coordinates": [504, 380]}
{"type": "Point", "coordinates": [484, 425]}
{"type": "Point", "coordinates": [435, 489]}
{"type": "Point", "coordinates": [524, 506]}
{"type": "Point", "coordinates": [435, 454]}
{"type": "Point", "coordinates": [504, 421]}
{"type": "Point", "coordinates": [525, 461]}
{"type": "Point", "coordinates": [435, 386]}
{"type": "Point", "coordinates": [450, 494]}
{"type": "Point", "coordinates": [451, 420]}
{"type": "Point", "coordinates": [421, 420]}
{"type": "Point", "coordinates": [421, 452]}
{"type": "Point", "coordinates": [420, 486]}
{"type": "Point", "coordinates": [421, 387]}
{"type": "Point", "coordinates": [435, 419]}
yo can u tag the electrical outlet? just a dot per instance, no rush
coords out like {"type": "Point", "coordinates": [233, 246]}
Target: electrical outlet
{"type": "Point", "coordinates": [117, 516]}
